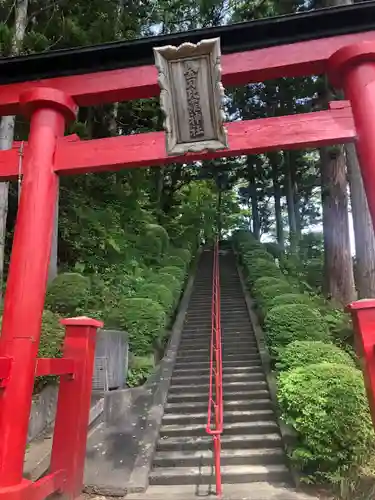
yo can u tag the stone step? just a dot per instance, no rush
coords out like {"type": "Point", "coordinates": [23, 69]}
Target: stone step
{"type": "Point", "coordinates": [191, 407]}
{"type": "Point", "coordinates": [228, 386]}
{"type": "Point", "coordinates": [236, 441]}
{"type": "Point", "coordinates": [237, 357]}
{"type": "Point", "coordinates": [196, 396]}
{"type": "Point", "coordinates": [184, 363]}
{"type": "Point", "coordinates": [188, 380]}
{"type": "Point", "coordinates": [261, 456]}
{"type": "Point", "coordinates": [229, 417]}
{"type": "Point", "coordinates": [230, 474]}
{"type": "Point", "coordinates": [234, 428]}
{"type": "Point", "coordinates": [227, 370]}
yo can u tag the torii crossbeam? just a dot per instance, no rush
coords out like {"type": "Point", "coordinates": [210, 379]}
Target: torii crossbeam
{"type": "Point", "coordinates": [48, 88]}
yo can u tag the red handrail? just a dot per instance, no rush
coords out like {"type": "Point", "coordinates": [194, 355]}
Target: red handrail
{"type": "Point", "coordinates": [215, 402]}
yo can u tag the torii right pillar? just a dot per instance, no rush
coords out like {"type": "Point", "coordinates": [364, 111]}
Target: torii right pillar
{"type": "Point", "coordinates": [352, 69]}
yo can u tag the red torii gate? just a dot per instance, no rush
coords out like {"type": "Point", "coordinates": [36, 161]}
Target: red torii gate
{"type": "Point", "coordinates": [50, 104]}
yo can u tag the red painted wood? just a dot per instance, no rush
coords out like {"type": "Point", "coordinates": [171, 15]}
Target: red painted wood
{"type": "Point", "coordinates": [363, 316]}
{"type": "Point", "coordinates": [353, 68]}
{"type": "Point", "coordinates": [50, 366]}
{"type": "Point", "coordinates": [73, 405]}
{"type": "Point", "coordinates": [5, 367]}
{"type": "Point", "coordinates": [27, 278]}
{"type": "Point", "coordinates": [247, 137]}
{"type": "Point", "coordinates": [9, 159]}
{"type": "Point", "coordinates": [298, 59]}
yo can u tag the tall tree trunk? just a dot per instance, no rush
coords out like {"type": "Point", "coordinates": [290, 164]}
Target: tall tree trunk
{"type": "Point", "coordinates": [289, 188]}
{"type": "Point", "coordinates": [364, 236]}
{"type": "Point", "coordinates": [253, 199]}
{"type": "Point", "coordinates": [277, 198]}
{"type": "Point", "coordinates": [7, 128]}
{"type": "Point", "coordinates": [338, 265]}
{"type": "Point", "coordinates": [363, 228]}
{"type": "Point", "coordinates": [219, 212]}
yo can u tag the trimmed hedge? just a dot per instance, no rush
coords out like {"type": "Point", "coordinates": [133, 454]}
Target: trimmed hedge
{"type": "Point", "coordinates": [176, 272]}
{"type": "Point", "coordinates": [182, 253]}
{"type": "Point", "coordinates": [265, 295]}
{"type": "Point", "coordinates": [143, 319]}
{"type": "Point", "coordinates": [284, 324]}
{"type": "Point", "coordinates": [169, 281]}
{"type": "Point", "coordinates": [68, 294]}
{"type": "Point", "coordinates": [260, 268]}
{"type": "Point", "coordinates": [158, 293]}
{"type": "Point", "coordinates": [295, 298]}
{"type": "Point", "coordinates": [174, 261]}
{"type": "Point", "coordinates": [303, 353]}
{"type": "Point", "coordinates": [326, 404]}
{"type": "Point", "coordinates": [266, 282]}
{"type": "Point", "coordinates": [257, 253]}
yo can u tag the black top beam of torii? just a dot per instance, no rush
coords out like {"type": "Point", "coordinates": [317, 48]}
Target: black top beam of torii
{"type": "Point", "coordinates": [321, 23]}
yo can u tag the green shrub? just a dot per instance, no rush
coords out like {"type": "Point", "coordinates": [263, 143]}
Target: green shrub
{"type": "Point", "coordinates": [150, 247]}
{"type": "Point", "coordinates": [275, 250]}
{"type": "Point", "coordinates": [266, 282]}
{"type": "Point", "coordinates": [183, 253]}
{"type": "Point", "coordinates": [174, 261]}
{"type": "Point", "coordinates": [304, 353]}
{"type": "Point", "coordinates": [174, 271]}
{"type": "Point", "coordinates": [140, 368]}
{"type": "Point", "coordinates": [158, 293]}
{"type": "Point", "coordinates": [169, 281]}
{"type": "Point", "coordinates": [257, 253]}
{"type": "Point", "coordinates": [295, 298]}
{"type": "Point", "coordinates": [326, 404]}
{"type": "Point", "coordinates": [265, 295]}
{"type": "Point", "coordinates": [155, 231]}
{"type": "Point", "coordinates": [314, 273]}
{"type": "Point", "coordinates": [51, 341]}
{"type": "Point", "coordinates": [284, 324]}
{"type": "Point", "coordinates": [143, 319]}
{"type": "Point", "coordinates": [260, 268]}
{"type": "Point", "coordinates": [68, 294]}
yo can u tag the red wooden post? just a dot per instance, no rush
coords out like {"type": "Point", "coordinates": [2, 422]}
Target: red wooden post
{"type": "Point", "coordinates": [353, 69]}
{"type": "Point", "coordinates": [363, 315]}
{"type": "Point", "coordinates": [24, 298]}
{"type": "Point", "coordinates": [73, 406]}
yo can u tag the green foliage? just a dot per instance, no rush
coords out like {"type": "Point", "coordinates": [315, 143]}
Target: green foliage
{"type": "Point", "coordinates": [68, 294]}
{"type": "Point", "coordinates": [295, 298]}
{"type": "Point", "coordinates": [327, 406]}
{"type": "Point", "coordinates": [261, 283]}
{"type": "Point", "coordinates": [167, 280]}
{"type": "Point", "coordinates": [174, 261]}
{"type": "Point", "coordinates": [302, 353]}
{"type": "Point", "coordinates": [158, 293]}
{"type": "Point", "coordinates": [266, 295]}
{"type": "Point", "coordinates": [183, 253]}
{"type": "Point", "coordinates": [143, 319]}
{"type": "Point", "coordinates": [140, 368]}
{"type": "Point", "coordinates": [52, 336]}
{"type": "Point", "coordinates": [275, 250]}
{"type": "Point", "coordinates": [174, 271]}
{"type": "Point", "coordinates": [314, 273]}
{"type": "Point", "coordinates": [284, 324]}
{"type": "Point", "coordinates": [256, 253]}
{"type": "Point", "coordinates": [260, 268]}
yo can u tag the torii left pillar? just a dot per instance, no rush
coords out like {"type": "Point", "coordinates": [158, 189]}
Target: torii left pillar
{"type": "Point", "coordinates": [48, 110]}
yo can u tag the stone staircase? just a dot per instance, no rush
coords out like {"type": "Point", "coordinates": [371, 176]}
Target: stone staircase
{"type": "Point", "coordinates": [252, 450]}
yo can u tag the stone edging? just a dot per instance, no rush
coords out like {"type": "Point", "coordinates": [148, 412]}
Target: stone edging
{"type": "Point", "coordinates": [159, 385]}
{"type": "Point", "coordinates": [288, 434]}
